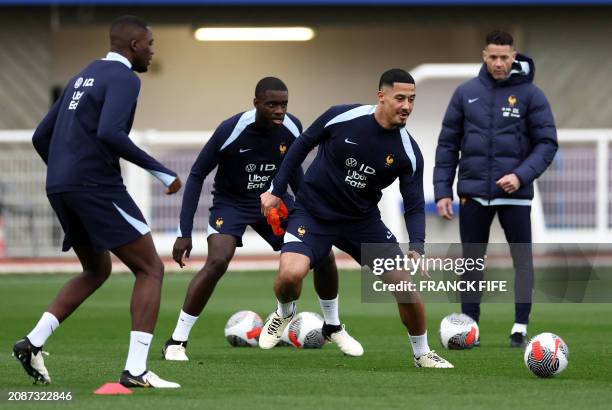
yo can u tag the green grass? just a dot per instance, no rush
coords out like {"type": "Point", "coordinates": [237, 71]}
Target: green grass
{"type": "Point", "coordinates": [90, 349]}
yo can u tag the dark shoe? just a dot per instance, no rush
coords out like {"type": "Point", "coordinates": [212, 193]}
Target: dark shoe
{"type": "Point", "coordinates": [147, 379]}
{"type": "Point", "coordinates": [31, 358]}
{"type": "Point", "coordinates": [175, 351]}
{"type": "Point", "coordinates": [518, 340]}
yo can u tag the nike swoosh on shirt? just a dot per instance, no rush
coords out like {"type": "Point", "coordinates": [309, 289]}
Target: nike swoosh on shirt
{"type": "Point", "coordinates": [471, 100]}
{"type": "Point", "coordinates": [348, 141]}
{"type": "Point", "coordinates": [389, 235]}
{"type": "Point", "coordinates": [245, 150]}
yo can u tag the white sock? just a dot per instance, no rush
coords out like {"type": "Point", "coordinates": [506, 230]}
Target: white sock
{"type": "Point", "coordinates": [139, 350]}
{"type": "Point", "coordinates": [330, 311]}
{"type": "Point", "coordinates": [43, 329]}
{"type": "Point", "coordinates": [183, 326]}
{"type": "Point", "coordinates": [419, 344]}
{"type": "Point", "coordinates": [285, 309]}
{"type": "Point", "coordinates": [519, 328]}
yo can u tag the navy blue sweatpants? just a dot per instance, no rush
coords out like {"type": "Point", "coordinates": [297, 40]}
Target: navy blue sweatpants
{"type": "Point", "coordinates": [474, 226]}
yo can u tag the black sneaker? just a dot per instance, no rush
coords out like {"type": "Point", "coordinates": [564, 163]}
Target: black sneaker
{"type": "Point", "coordinates": [328, 330]}
{"type": "Point", "coordinates": [31, 358]}
{"type": "Point", "coordinates": [477, 342]}
{"type": "Point", "coordinates": [338, 335]}
{"type": "Point", "coordinates": [147, 379]}
{"type": "Point", "coordinates": [175, 351]}
{"type": "Point", "coordinates": [517, 339]}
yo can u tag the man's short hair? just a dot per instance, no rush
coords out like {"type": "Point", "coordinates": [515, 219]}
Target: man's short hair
{"type": "Point", "coordinates": [127, 24]}
{"type": "Point", "coordinates": [269, 84]}
{"type": "Point", "coordinates": [499, 38]}
{"type": "Point", "coordinates": [395, 75]}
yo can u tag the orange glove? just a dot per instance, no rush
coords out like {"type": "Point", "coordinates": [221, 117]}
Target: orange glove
{"type": "Point", "coordinates": [276, 216]}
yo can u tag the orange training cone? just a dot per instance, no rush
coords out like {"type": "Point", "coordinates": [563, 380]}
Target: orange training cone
{"type": "Point", "coordinates": [112, 388]}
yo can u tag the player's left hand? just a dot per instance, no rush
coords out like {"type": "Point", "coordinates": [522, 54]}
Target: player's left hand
{"type": "Point", "coordinates": [509, 183]}
{"type": "Point", "coordinates": [268, 201]}
{"type": "Point", "coordinates": [181, 250]}
{"type": "Point", "coordinates": [174, 187]}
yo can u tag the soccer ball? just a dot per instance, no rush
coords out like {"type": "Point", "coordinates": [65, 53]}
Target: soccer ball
{"type": "Point", "coordinates": [546, 355]}
{"type": "Point", "coordinates": [243, 328]}
{"type": "Point", "coordinates": [458, 331]}
{"type": "Point", "coordinates": [305, 331]}
{"type": "Point", "coordinates": [284, 341]}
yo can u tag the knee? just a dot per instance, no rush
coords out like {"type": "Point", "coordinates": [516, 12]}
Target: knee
{"type": "Point", "coordinates": [98, 273]}
{"type": "Point", "coordinates": [153, 269]}
{"type": "Point", "coordinates": [327, 266]}
{"type": "Point", "coordinates": [216, 266]}
{"type": "Point", "coordinates": [289, 278]}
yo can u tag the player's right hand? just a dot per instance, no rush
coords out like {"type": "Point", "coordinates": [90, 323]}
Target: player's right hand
{"type": "Point", "coordinates": [174, 187]}
{"type": "Point", "coordinates": [445, 208]}
{"type": "Point", "coordinates": [268, 201]}
{"type": "Point", "coordinates": [182, 248]}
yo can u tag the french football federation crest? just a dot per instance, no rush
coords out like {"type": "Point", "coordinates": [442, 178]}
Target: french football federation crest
{"type": "Point", "coordinates": [389, 160]}
{"type": "Point", "coordinates": [219, 222]}
{"type": "Point", "coordinates": [282, 148]}
{"type": "Point", "coordinates": [512, 100]}
{"type": "Point", "coordinates": [301, 231]}
{"type": "Point", "coordinates": [463, 201]}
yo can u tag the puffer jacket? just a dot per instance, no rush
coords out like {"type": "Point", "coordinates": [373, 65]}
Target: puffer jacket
{"type": "Point", "coordinates": [493, 128]}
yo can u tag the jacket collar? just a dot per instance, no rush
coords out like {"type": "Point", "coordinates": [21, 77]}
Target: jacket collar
{"type": "Point", "coordinates": [112, 56]}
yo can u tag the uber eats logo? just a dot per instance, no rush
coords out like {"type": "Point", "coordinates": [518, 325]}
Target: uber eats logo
{"type": "Point", "coordinates": [256, 180]}
{"type": "Point", "coordinates": [357, 174]}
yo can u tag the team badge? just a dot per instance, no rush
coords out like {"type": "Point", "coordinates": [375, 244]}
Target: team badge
{"type": "Point", "coordinates": [282, 148]}
{"type": "Point", "coordinates": [301, 231]}
{"type": "Point", "coordinates": [512, 110]}
{"type": "Point", "coordinates": [219, 222]}
{"type": "Point", "coordinates": [463, 201]}
{"type": "Point", "coordinates": [389, 160]}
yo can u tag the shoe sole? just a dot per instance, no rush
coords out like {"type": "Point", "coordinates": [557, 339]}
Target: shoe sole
{"type": "Point", "coordinates": [22, 357]}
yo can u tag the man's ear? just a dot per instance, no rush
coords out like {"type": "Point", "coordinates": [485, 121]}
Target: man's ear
{"type": "Point", "coordinates": [381, 95]}
{"type": "Point", "coordinates": [255, 101]}
{"type": "Point", "coordinates": [484, 55]}
{"type": "Point", "coordinates": [133, 45]}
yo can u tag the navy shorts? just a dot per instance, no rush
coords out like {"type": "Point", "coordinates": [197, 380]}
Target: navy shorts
{"type": "Point", "coordinates": [314, 237]}
{"type": "Point", "coordinates": [103, 220]}
{"type": "Point", "coordinates": [232, 219]}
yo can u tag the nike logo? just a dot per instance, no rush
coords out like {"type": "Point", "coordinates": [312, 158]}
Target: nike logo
{"type": "Point", "coordinates": [471, 100]}
{"type": "Point", "coordinates": [139, 383]}
{"type": "Point", "coordinates": [389, 235]}
{"type": "Point", "coordinates": [245, 150]}
{"type": "Point", "coordinates": [142, 343]}
{"type": "Point", "coordinates": [348, 141]}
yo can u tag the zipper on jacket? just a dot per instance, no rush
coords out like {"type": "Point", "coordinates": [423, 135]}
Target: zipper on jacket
{"type": "Point", "coordinates": [490, 153]}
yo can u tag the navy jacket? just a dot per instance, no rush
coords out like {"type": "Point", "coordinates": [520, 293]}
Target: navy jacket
{"type": "Point", "coordinates": [356, 160]}
{"type": "Point", "coordinates": [86, 132]}
{"type": "Point", "coordinates": [247, 157]}
{"type": "Point", "coordinates": [500, 128]}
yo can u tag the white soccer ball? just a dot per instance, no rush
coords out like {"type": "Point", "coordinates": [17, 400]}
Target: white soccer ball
{"type": "Point", "coordinates": [304, 331]}
{"type": "Point", "coordinates": [546, 355]}
{"type": "Point", "coordinates": [284, 341]}
{"type": "Point", "coordinates": [243, 328]}
{"type": "Point", "coordinates": [458, 331]}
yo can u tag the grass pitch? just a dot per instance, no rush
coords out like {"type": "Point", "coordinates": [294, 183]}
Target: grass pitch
{"type": "Point", "coordinates": [91, 346]}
